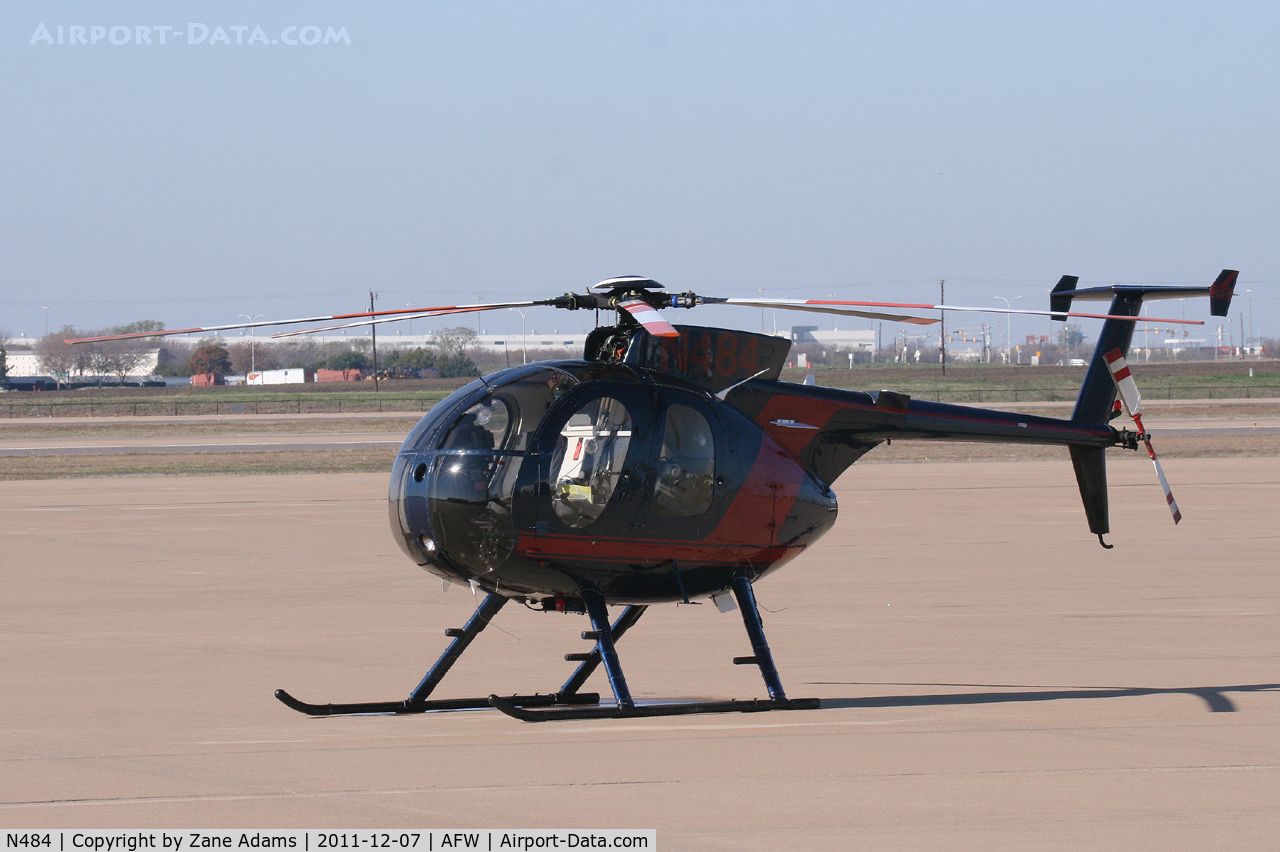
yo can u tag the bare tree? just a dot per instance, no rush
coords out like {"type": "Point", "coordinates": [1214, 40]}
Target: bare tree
{"type": "Point", "coordinates": [61, 359]}
{"type": "Point", "coordinates": [118, 357]}
{"type": "Point", "coordinates": [454, 341]}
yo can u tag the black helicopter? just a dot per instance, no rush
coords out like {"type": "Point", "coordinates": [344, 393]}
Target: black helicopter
{"type": "Point", "coordinates": [671, 464]}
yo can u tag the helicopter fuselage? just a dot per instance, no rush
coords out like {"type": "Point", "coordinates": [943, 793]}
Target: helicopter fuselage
{"type": "Point", "coordinates": [538, 482]}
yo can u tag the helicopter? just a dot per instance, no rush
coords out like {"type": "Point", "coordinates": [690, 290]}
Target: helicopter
{"type": "Point", "coordinates": [670, 464]}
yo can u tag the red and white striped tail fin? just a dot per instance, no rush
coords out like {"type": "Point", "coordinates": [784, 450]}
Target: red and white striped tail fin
{"type": "Point", "coordinates": [1132, 400]}
{"type": "Point", "coordinates": [649, 317]}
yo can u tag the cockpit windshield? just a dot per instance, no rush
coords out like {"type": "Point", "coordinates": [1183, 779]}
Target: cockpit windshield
{"type": "Point", "coordinates": [473, 473]}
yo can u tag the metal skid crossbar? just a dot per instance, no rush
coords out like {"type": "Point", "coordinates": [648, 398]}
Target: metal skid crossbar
{"type": "Point", "coordinates": [568, 703]}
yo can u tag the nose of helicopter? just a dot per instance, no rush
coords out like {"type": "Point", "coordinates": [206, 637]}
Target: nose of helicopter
{"type": "Point", "coordinates": [452, 486]}
{"type": "Point", "coordinates": [408, 509]}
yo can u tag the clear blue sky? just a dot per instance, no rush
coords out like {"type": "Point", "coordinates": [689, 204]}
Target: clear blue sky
{"type": "Point", "coordinates": [519, 150]}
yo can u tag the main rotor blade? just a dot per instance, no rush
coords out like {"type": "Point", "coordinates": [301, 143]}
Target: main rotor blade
{"type": "Point", "coordinates": [361, 324]}
{"type": "Point", "coordinates": [434, 312]}
{"type": "Point", "coordinates": [838, 307]}
{"type": "Point", "coordinates": [391, 315]}
{"type": "Point", "coordinates": [828, 308]}
{"type": "Point", "coordinates": [649, 317]}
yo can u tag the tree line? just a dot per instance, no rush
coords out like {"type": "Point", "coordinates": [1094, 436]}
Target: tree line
{"type": "Point", "coordinates": [451, 354]}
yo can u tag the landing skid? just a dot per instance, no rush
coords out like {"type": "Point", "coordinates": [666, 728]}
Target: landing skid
{"type": "Point", "coordinates": [637, 711]}
{"type": "Point", "coordinates": [409, 706]}
{"type": "Point", "coordinates": [568, 703]}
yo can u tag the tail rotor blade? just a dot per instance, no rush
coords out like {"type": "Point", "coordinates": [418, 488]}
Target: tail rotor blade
{"type": "Point", "coordinates": [1124, 382]}
{"type": "Point", "coordinates": [1164, 483]}
{"type": "Point", "coordinates": [1132, 400]}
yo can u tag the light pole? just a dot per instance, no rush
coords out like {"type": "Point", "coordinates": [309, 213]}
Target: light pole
{"type": "Point", "coordinates": [373, 342]}
{"type": "Point", "coordinates": [1008, 326]}
{"type": "Point", "coordinates": [253, 359]}
{"type": "Point", "coordinates": [46, 319]}
{"type": "Point", "coordinates": [410, 306]}
{"type": "Point", "coordinates": [1250, 340]}
{"type": "Point", "coordinates": [524, 334]}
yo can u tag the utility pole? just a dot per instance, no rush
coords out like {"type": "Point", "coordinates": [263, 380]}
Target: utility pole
{"type": "Point", "coordinates": [373, 334]}
{"type": "Point", "coordinates": [942, 336]}
{"type": "Point", "coordinates": [1250, 340]}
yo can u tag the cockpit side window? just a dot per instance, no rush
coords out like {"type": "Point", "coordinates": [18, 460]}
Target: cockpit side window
{"type": "Point", "coordinates": [505, 419]}
{"type": "Point", "coordinates": [483, 426]}
{"type": "Point", "coordinates": [686, 464]}
{"type": "Point", "coordinates": [588, 460]}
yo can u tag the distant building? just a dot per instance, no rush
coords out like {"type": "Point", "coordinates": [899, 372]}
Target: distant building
{"type": "Point", "coordinates": [862, 340]}
{"type": "Point", "coordinates": [25, 362]}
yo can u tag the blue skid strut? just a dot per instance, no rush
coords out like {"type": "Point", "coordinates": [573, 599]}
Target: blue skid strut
{"type": "Point", "coordinates": [418, 702]}
{"type": "Point", "coordinates": [625, 706]}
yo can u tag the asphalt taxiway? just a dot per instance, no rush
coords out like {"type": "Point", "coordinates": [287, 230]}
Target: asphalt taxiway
{"type": "Point", "coordinates": [990, 676]}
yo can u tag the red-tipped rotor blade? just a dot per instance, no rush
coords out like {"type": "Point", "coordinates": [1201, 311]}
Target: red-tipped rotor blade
{"type": "Point", "coordinates": [1164, 483]}
{"type": "Point", "coordinates": [1123, 378]}
{"type": "Point", "coordinates": [1132, 400]}
{"type": "Point", "coordinates": [845, 309]}
{"type": "Point", "coordinates": [386, 316]}
{"type": "Point", "coordinates": [649, 317]}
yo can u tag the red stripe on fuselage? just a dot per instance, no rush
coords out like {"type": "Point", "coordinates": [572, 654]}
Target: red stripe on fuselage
{"type": "Point", "coordinates": [812, 412]}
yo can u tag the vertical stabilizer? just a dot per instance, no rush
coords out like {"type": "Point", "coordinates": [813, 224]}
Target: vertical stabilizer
{"type": "Point", "coordinates": [1091, 475]}
{"type": "Point", "coordinates": [1098, 391]}
{"type": "Point", "coordinates": [1060, 298]}
{"type": "Point", "coordinates": [1220, 292]}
